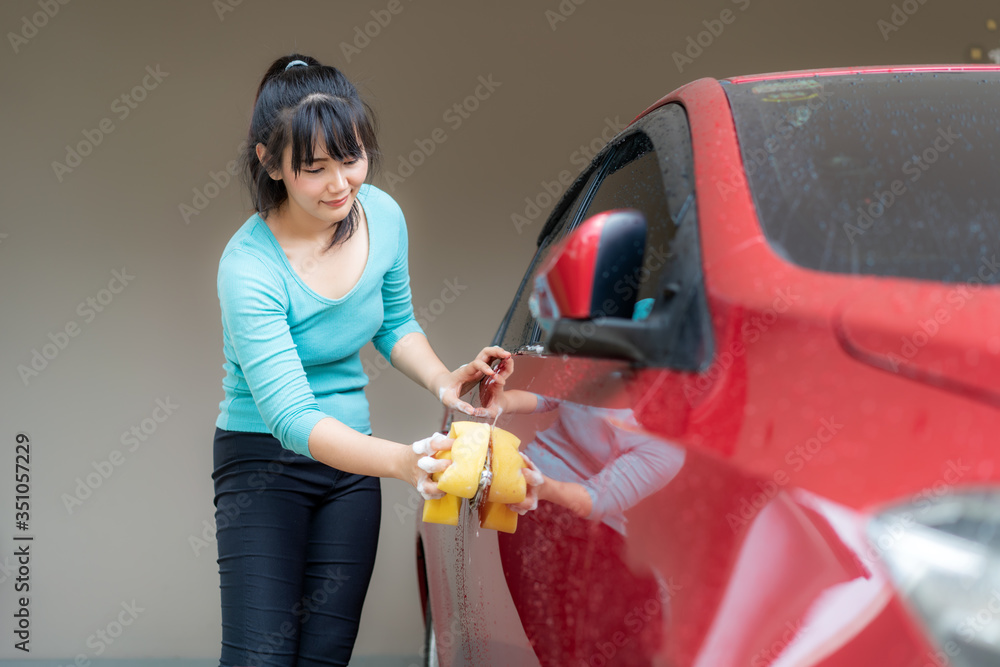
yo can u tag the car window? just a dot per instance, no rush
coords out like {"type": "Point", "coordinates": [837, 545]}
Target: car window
{"type": "Point", "coordinates": [649, 168]}
{"type": "Point", "coordinates": [519, 327]}
{"type": "Point", "coordinates": [629, 177]}
{"type": "Point", "coordinates": [653, 171]}
{"type": "Point", "coordinates": [633, 180]}
{"type": "Point", "coordinates": [884, 174]}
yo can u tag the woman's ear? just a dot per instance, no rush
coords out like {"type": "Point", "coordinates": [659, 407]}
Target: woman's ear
{"type": "Point", "coordinates": [261, 152]}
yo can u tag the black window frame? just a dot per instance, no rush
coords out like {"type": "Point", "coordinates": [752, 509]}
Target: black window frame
{"type": "Point", "coordinates": [668, 129]}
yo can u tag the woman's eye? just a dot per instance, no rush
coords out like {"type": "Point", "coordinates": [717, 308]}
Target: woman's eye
{"type": "Point", "coordinates": [314, 171]}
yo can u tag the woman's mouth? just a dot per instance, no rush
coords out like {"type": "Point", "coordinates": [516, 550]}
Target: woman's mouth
{"type": "Point", "coordinates": [337, 203]}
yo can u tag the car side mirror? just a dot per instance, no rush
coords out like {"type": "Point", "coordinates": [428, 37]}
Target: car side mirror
{"type": "Point", "coordinates": [585, 292]}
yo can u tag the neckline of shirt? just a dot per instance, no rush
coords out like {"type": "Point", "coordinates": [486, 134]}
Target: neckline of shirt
{"type": "Point", "coordinates": [363, 190]}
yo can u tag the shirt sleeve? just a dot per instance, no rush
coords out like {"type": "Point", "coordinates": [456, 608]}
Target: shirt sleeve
{"type": "Point", "coordinates": [644, 469]}
{"type": "Point", "coordinates": [397, 302]}
{"type": "Point", "coordinates": [545, 403]}
{"type": "Point", "coordinates": [254, 307]}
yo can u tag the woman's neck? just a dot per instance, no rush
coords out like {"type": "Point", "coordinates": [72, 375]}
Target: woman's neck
{"type": "Point", "coordinates": [299, 226]}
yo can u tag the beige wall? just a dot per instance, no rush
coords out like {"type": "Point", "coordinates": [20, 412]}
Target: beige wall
{"type": "Point", "coordinates": [63, 235]}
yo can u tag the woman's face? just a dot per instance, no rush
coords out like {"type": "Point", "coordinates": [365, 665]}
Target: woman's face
{"type": "Point", "coordinates": [325, 189]}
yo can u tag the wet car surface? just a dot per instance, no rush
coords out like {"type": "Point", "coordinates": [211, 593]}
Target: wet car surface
{"type": "Point", "coordinates": [783, 412]}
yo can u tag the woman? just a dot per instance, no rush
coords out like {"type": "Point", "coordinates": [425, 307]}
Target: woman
{"type": "Point", "coordinates": [319, 270]}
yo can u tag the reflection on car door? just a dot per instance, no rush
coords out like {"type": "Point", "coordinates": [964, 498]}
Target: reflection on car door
{"type": "Point", "coordinates": [578, 598]}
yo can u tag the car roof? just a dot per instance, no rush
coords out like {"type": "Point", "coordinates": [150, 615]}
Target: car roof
{"type": "Point", "coordinates": [678, 93]}
{"type": "Point", "coordinates": [846, 71]}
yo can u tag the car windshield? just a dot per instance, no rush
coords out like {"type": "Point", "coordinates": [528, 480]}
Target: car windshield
{"type": "Point", "coordinates": [889, 174]}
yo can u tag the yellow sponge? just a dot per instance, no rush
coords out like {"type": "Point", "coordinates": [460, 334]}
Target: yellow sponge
{"type": "Point", "coordinates": [497, 516]}
{"type": "Point", "coordinates": [442, 510]}
{"type": "Point", "coordinates": [468, 454]}
{"type": "Point", "coordinates": [508, 484]}
{"type": "Point", "coordinates": [461, 478]}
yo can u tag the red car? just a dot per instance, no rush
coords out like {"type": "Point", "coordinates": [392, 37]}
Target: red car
{"type": "Point", "coordinates": [760, 346]}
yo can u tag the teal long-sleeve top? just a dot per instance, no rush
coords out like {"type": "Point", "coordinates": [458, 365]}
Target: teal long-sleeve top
{"type": "Point", "coordinates": [292, 355]}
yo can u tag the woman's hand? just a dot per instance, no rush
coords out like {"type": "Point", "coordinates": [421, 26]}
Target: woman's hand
{"type": "Point", "coordinates": [491, 393]}
{"type": "Point", "coordinates": [571, 495]}
{"type": "Point", "coordinates": [452, 386]}
{"type": "Point", "coordinates": [534, 479]}
{"type": "Point", "coordinates": [424, 464]}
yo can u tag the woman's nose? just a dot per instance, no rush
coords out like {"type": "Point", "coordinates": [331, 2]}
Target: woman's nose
{"type": "Point", "coordinates": [338, 180]}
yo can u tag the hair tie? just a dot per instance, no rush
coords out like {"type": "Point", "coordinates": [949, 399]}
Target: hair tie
{"type": "Point", "coordinates": [296, 62]}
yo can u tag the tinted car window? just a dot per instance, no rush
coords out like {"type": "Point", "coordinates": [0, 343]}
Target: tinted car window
{"type": "Point", "coordinates": [519, 327]}
{"type": "Point", "coordinates": [634, 180]}
{"type": "Point", "coordinates": [880, 174]}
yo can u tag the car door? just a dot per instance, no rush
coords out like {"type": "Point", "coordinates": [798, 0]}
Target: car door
{"type": "Point", "coordinates": [562, 584]}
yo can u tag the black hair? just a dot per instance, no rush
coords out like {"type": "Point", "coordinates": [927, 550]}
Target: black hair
{"type": "Point", "coordinates": [294, 107]}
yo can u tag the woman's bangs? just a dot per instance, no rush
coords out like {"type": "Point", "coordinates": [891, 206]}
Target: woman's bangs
{"type": "Point", "coordinates": [339, 123]}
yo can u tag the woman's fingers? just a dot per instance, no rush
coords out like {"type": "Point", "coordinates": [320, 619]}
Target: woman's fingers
{"type": "Point", "coordinates": [482, 368]}
{"type": "Point", "coordinates": [534, 478]}
{"type": "Point", "coordinates": [431, 465]}
{"type": "Point", "coordinates": [428, 464]}
{"type": "Point", "coordinates": [529, 503]}
{"type": "Point", "coordinates": [492, 410]}
{"type": "Point", "coordinates": [428, 488]}
{"type": "Point", "coordinates": [506, 368]}
{"type": "Point", "coordinates": [441, 442]}
{"type": "Point", "coordinates": [430, 444]}
{"type": "Point", "coordinates": [466, 408]}
{"type": "Point", "coordinates": [532, 475]}
{"type": "Point", "coordinates": [493, 352]}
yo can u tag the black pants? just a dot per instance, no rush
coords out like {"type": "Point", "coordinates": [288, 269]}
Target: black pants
{"type": "Point", "coordinates": [297, 543]}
